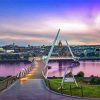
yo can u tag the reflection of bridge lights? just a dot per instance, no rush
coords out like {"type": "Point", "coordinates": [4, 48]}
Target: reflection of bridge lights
{"type": "Point", "coordinates": [74, 64]}
{"type": "Point", "coordinates": [23, 79]}
{"type": "Point", "coordinates": [28, 75]}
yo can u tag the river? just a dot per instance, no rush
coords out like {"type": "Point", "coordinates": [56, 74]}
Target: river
{"type": "Point", "coordinates": [88, 67]}
{"type": "Point", "coordinates": [57, 68]}
{"type": "Point", "coordinates": [12, 68]}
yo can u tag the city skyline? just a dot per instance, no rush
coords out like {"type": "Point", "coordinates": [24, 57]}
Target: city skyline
{"type": "Point", "coordinates": [36, 22]}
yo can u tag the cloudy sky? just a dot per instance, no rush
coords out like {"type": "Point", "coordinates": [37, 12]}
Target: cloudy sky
{"type": "Point", "coordinates": [36, 22]}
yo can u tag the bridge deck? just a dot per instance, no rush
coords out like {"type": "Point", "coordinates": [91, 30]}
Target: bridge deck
{"type": "Point", "coordinates": [63, 58]}
{"type": "Point", "coordinates": [31, 88]}
{"type": "Point", "coordinates": [60, 58]}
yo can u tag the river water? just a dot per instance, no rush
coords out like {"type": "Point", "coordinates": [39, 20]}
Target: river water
{"type": "Point", "coordinates": [57, 68]}
{"type": "Point", "coordinates": [88, 67]}
{"type": "Point", "coordinates": [12, 68]}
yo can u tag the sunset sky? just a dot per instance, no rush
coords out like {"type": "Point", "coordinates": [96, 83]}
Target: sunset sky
{"type": "Point", "coordinates": [36, 22]}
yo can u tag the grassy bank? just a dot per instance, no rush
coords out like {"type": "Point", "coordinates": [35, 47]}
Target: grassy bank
{"type": "Point", "coordinates": [84, 90]}
{"type": "Point", "coordinates": [3, 78]}
{"type": "Point", "coordinates": [6, 81]}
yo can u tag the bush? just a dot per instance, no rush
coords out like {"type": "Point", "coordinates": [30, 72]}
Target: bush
{"type": "Point", "coordinates": [92, 81]}
{"type": "Point", "coordinates": [80, 74]}
{"type": "Point", "coordinates": [95, 80]}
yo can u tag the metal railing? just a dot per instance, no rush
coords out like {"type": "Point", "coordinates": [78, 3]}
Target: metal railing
{"type": "Point", "coordinates": [8, 81]}
{"type": "Point", "coordinates": [25, 71]}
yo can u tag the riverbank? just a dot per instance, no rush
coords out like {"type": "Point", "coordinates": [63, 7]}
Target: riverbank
{"type": "Point", "coordinates": [3, 78]}
{"type": "Point", "coordinates": [84, 90]}
{"type": "Point", "coordinates": [13, 61]}
{"type": "Point", "coordinates": [17, 60]}
{"type": "Point", "coordinates": [94, 58]}
{"type": "Point", "coordinates": [6, 82]}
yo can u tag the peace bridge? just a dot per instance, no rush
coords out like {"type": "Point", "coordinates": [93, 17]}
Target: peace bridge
{"type": "Point", "coordinates": [30, 85]}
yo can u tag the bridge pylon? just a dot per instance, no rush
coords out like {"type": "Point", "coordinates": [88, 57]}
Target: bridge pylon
{"type": "Point", "coordinates": [45, 70]}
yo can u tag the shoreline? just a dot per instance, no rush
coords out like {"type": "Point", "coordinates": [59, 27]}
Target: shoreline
{"type": "Point", "coordinates": [81, 59]}
{"type": "Point", "coordinates": [1, 61]}
{"type": "Point", "coordinates": [89, 59]}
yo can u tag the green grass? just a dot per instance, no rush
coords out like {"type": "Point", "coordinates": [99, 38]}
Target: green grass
{"type": "Point", "coordinates": [91, 91]}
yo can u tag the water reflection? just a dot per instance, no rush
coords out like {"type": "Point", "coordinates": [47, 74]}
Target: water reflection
{"type": "Point", "coordinates": [60, 64]}
{"type": "Point", "coordinates": [12, 68]}
{"type": "Point", "coordinates": [88, 67]}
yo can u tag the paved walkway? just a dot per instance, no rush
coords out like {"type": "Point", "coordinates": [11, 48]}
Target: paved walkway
{"type": "Point", "coordinates": [32, 89]}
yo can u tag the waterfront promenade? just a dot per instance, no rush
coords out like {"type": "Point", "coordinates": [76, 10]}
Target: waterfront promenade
{"type": "Point", "coordinates": [32, 87]}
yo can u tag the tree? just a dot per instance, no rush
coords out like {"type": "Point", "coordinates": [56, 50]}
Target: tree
{"type": "Point", "coordinates": [80, 74]}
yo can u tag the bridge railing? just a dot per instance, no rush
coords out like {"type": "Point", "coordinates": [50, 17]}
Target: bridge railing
{"type": "Point", "coordinates": [25, 71]}
{"type": "Point", "coordinates": [7, 82]}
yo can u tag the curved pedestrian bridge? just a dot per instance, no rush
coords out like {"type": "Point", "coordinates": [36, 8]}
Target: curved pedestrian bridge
{"type": "Point", "coordinates": [32, 87]}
